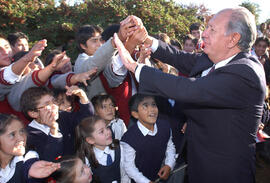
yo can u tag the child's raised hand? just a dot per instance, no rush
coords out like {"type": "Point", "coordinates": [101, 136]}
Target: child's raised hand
{"type": "Point", "coordinates": [164, 172]}
{"type": "Point", "coordinates": [36, 50]}
{"type": "Point", "coordinates": [48, 117]}
{"type": "Point", "coordinates": [83, 77]}
{"type": "Point", "coordinates": [42, 169]}
{"type": "Point", "coordinates": [59, 61]}
{"type": "Point", "coordinates": [75, 90]}
{"type": "Point", "coordinates": [145, 53]}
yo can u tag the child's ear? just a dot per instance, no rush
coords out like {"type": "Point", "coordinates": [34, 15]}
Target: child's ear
{"type": "Point", "coordinates": [33, 114]}
{"type": "Point", "coordinates": [83, 46]}
{"type": "Point", "coordinates": [135, 114]}
{"type": "Point", "coordinates": [90, 140]}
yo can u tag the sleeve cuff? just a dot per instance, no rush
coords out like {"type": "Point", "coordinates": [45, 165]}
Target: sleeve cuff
{"type": "Point", "coordinates": [154, 46]}
{"type": "Point", "coordinates": [118, 67]}
{"type": "Point", "coordinates": [10, 76]}
{"type": "Point", "coordinates": [138, 71]}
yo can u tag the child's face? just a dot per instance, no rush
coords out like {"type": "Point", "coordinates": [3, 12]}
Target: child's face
{"type": "Point", "coordinates": [5, 53]}
{"type": "Point", "coordinates": [12, 142]}
{"type": "Point", "coordinates": [101, 137]}
{"type": "Point", "coordinates": [20, 45]}
{"type": "Point", "coordinates": [189, 46]}
{"type": "Point", "coordinates": [47, 102]}
{"type": "Point", "coordinates": [260, 48]}
{"type": "Point", "coordinates": [147, 111]}
{"type": "Point", "coordinates": [64, 104]}
{"type": "Point", "coordinates": [83, 173]}
{"type": "Point", "coordinates": [106, 111]}
{"type": "Point", "coordinates": [92, 44]}
{"type": "Point", "coordinates": [196, 33]}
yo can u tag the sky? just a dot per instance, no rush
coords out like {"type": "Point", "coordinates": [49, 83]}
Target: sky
{"type": "Point", "coordinates": [216, 5]}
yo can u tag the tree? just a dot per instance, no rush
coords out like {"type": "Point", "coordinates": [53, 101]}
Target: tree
{"type": "Point", "coordinates": [254, 8]}
{"type": "Point", "coordinates": [41, 19]}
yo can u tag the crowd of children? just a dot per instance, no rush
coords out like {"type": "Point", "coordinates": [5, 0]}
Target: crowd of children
{"type": "Point", "coordinates": [90, 125]}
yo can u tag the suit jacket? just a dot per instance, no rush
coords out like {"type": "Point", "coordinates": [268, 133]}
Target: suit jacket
{"type": "Point", "coordinates": [223, 110]}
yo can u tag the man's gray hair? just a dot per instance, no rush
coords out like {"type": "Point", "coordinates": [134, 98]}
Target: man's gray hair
{"type": "Point", "coordinates": [242, 21]}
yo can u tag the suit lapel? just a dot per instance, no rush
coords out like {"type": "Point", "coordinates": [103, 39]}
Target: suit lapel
{"type": "Point", "coordinates": [202, 64]}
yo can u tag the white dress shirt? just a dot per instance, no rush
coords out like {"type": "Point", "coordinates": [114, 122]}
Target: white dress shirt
{"type": "Point", "coordinates": [44, 128]}
{"type": "Point", "coordinates": [130, 155]}
{"type": "Point", "coordinates": [8, 172]}
{"type": "Point", "coordinates": [10, 76]}
{"type": "Point", "coordinates": [118, 128]}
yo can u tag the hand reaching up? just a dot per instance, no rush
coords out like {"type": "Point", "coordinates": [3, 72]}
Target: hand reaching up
{"type": "Point", "coordinates": [83, 77]}
{"type": "Point", "coordinates": [127, 60]}
{"type": "Point", "coordinates": [59, 61]}
{"type": "Point", "coordinates": [36, 50]}
{"type": "Point", "coordinates": [42, 169]}
{"type": "Point", "coordinates": [75, 90]}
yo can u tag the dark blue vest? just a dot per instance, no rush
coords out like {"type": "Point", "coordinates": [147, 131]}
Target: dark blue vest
{"type": "Point", "coordinates": [107, 174]}
{"type": "Point", "coordinates": [150, 150]}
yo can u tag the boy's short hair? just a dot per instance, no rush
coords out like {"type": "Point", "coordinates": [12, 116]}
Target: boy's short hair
{"type": "Point", "coordinates": [30, 99]}
{"type": "Point", "coordinates": [192, 38]}
{"type": "Point", "coordinates": [136, 99]}
{"type": "Point", "coordinates": [109, 31]}
{"type": "Point", "coordinates": [84, 33]}
{"type": "Point", "coordinates": [195, 26]}
{"type": "Point", "coordinates": [13, 37]}
{"type": "Point", "coordinates": [264, 39]}
{"type": "Point", "coordinates": [50, 56]}
{"type": "Point", "coordinates": [175, 42]}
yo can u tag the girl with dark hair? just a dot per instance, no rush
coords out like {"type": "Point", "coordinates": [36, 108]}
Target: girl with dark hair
{"type": "Point", "coordinates": [106, 109]}
{"type": "Point", "coordinates": [72, 170]}
{"type": "Point", "coordinates": [95, 146]}
{"type": "Point", "coordinates": [15, 165]}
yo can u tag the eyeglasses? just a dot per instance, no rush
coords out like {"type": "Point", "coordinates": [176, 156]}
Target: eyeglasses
{"type": "Point", "coordinates": [50, 103]}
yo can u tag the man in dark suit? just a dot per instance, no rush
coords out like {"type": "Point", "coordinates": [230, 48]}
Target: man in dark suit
{"type": "Point", "coordinates": [223, 98]}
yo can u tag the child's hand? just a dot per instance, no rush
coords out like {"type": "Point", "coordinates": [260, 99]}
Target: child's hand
{"type": "Point", "coordinates": [36, 50]}
{"type": "Point", "coordinates": [83, 77]}
{"type": "Point", "coordinates": [164, 172]}
{"type": "Point", "coordinates": [59, 61]}
{"type": "Point", "coordinates": [42, 169]}
{"type": "Point", "coordinates": [48, 117]}
{"type": "Point", "coordinates": [75, 90]}
{"type": "Point", "coordinates": [145, 53]}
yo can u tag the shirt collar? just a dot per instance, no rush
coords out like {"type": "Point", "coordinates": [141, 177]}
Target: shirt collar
{"type": "Point", "coordinates": [41, 127]}
{"type": "Point", "coordinates": [145, 131]}
{"type": "Point", "coordinates": [7, 173]}
{"type": "Point", "coordinates": [99, 153]}
{"type": "Point", "coordinates": [224, 62]}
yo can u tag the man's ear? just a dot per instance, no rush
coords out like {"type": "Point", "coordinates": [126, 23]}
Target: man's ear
{"type": "Point", "coordinates": [235, 37]}
{"type": "Point", "coordinates": [90, 140]}
{"type": "Point", "coordinates": [135, 114]}
{"type": "Point", "coordinates": [33, 114]}
{"type": "Point", "coordinates": [83, 46]}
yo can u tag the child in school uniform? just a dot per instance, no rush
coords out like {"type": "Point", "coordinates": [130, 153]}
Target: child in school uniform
{"type": "Point", "coordinates": [105, 108]}
{"type": "Point", "coordinates": [95, 146]}
{"type": "Point", "coordinates": [147, 143]}
{"type": "Point", "coordinates": [73, 107]}
{"type": "Point", "coordinates": [38, 104]}
{"type": "Point", "coordinates": [72, 170]}
{"type": "Point", "coordinates": [16, 165]}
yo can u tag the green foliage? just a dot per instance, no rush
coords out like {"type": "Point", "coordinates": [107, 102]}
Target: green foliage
{"type": "Point", "coordinates": [253, 8]}
{"type": "Point", "coordinates": [40, 19]}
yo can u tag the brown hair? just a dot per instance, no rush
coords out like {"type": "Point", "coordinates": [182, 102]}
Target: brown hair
{"type": "Point", "coordinates": [66, 173]}
{"type": "Point", "coordinates": [83, 148]}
